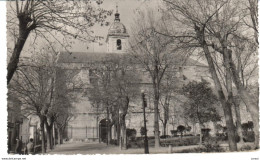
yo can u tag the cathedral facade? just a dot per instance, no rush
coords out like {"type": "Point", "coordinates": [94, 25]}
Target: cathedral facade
{"type": "Point", "coordinates": [90, 123]}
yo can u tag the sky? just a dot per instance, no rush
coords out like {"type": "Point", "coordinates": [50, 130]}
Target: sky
{"type": "Point", "coordinates": [128, 9]}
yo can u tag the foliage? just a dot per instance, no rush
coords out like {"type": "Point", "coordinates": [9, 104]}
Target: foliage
{"type": "Point", "coordinates": [156, 54]}
{"type": "Point", "coordinates": [181, 129]}
{"type": "Point", "coordinates": [200, 107]}
{"type": "Point", "coordinates": [57, 20]}
{"type": "Point", "coordinates": [205, 133]}
{"type": "Point", "coordinates": [185, 141]}
{"type": "Point", "coordinates": [165, 136]}
{"type": "Point", "coordinates": [174, 132]}
{"type": "Point", "coordinates": [131, 133]}
{"type": "Point", "coordinates": [246, 148]}
{"type": "Point", "coordinates": [249, 136]}
{"type": "Point", "coordinates": [209, 27]}
{"type": "Point", "coordinates": [211, 145]}
{"type": "Point", "coordinates": [248, 133]}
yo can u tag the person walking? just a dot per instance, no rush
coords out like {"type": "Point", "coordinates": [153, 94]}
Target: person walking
{"type": "Point", "coordinates": [30, 147]}
{"type": "Point", "coordinates": [18, 148]}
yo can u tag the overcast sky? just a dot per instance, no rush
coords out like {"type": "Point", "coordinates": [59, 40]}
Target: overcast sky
{"type": "Point", "coordinates": [127, 9]}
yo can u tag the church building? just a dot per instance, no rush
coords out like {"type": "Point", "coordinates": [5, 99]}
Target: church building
{"type": "Point", "coordinates": [90, 123]}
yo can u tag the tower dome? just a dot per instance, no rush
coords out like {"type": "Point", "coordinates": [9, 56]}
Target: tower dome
{"type": "Point", "coordinates": [117, 37]}
{"type": "Point", "coordinates": [117, 28]}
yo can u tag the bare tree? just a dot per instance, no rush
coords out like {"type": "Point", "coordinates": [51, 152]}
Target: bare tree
{"type": "Point", "coordinates": [36, 86]}
{"type": "Point", "coordinates": [169, 88]}
{"type": "Point", "coordinates": [212, 24]}
{"type": "Point", "coordinates": [47, 19]}
{"type": "Point", "coordinates": [155, 53]}
{"type": "Point", "coordinates": [115, 84]}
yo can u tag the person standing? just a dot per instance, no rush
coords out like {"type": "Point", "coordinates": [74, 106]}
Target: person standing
{"type": "Point", "coordinates": [30, 147]}
{"type": "Point", "coordinates": [18, 147]}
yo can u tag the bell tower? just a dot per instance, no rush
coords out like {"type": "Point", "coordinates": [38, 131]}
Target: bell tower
{"type": "Point", "coordinates": [117, 37]}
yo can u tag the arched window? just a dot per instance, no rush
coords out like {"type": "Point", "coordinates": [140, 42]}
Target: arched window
{"type": "Point", "coordinates": [118, 44]}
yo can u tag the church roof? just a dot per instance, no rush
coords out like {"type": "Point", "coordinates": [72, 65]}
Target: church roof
{"type": "Point", "coordinates": [88, 57]}
{"type": "Point", "coordinates": [193, 62]}
{"type": "Point", "coordinates": [84, 57]}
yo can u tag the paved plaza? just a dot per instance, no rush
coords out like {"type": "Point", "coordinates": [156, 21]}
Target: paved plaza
{"type": "Point", "coordinates": [102, 148]}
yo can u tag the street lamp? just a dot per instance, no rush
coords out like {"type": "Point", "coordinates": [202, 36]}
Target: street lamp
{"type": "Point", "coordinates": [119, 129]}
{"type": "Point", "coordinates": [146, 149]}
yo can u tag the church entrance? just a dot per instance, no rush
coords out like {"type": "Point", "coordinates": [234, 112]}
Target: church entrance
{"type": "Point", "coordinates": [103, 130]}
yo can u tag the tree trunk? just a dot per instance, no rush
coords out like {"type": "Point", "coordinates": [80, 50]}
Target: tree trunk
{"type": "Point", "coordinates": [48, 147]}
{"type": "Point", "coordinates": [53, 135]}
{"type": "Point", "coordinates": [228, 109]}
{"type": "Point", "coordinates": [118, 134]}
{"type": "Point", "coordinates": [226, 106]}
{"type": "Point", "coordinates": [164, 128]}
{"type": "Point", "coordinates": [14, 60]}
{"type": "Point", "coordinates": [156, 117]}
{"type": "Point", "coordinates": [201, 126]}
{"type": "Point", "coordinates": [251, 105]}
{"type": "Point", "coordinates": [58, 133]}
{"type": "Point", "coordinates": [42, 135]}
{"type": "Point", "coordinates": [123, 138]}
{"type": "Point", "coordinates": [61, 137]}
{"type": "Point", "coordinates": [49, 135]}
{"type": "Point", "coordinates": [238, 122]}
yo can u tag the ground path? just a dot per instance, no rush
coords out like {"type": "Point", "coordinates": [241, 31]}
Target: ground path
{"type": "Point", "coordinates": [102, 148]}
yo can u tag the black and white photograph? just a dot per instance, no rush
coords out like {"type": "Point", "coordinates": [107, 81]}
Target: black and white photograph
{"type": "Point", "coordinates": [130, 77]}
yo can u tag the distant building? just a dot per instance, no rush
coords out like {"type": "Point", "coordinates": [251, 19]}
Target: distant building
{"type": "Point", "coordinates": [18, 124]}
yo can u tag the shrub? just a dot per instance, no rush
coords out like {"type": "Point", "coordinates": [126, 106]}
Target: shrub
{"type": "Point", "coordinates": [245, 148]}
{"type": "Point", "coordinates": [113, 142]}
{"type": "Point", "coordinates": [185, 141]}
{"type": "Point", "coordinates": [131, 134]}
{"type": "Point", "coordinates": [249, 137]}
{"type": "Point", "coordinates": [211, 145]}
{"type": "Point", "coordinates": [205, 133]}
{"type": "Point", "coordinates": [181, 129]}
{"type": "Point", "coordinates": [174, 133]}
{"type": "Point", "coordinates": [165, 136]}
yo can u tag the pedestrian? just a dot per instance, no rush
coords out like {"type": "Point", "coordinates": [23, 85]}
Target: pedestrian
{"type": "Point", "coordinates": [18, 148]}
{"type": "Point", "coordinates": [30, 147]}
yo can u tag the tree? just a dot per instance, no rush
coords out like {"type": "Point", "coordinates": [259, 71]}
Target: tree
{"type": "Point", "coordinates": [210, 27]}
{"type": "Point", "coordinates": [169, 87]}
{"type": "Point", "coordinates": [155, 53]}
{"type": "Point", "coordinates": [115, 85]}
{"type": "Point", "coordinates": [202, 104]}
{"type": "Point", "coordinates": [36, 86]}
{"type": "Point", "coordinates": [47, 19]}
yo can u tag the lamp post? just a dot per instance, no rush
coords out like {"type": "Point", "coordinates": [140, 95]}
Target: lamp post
{"type": "Point", "coordinates": [146, 149]}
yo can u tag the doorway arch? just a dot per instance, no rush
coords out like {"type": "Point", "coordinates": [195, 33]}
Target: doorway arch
{"type": "Point", "coordinates": [103, 130]}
